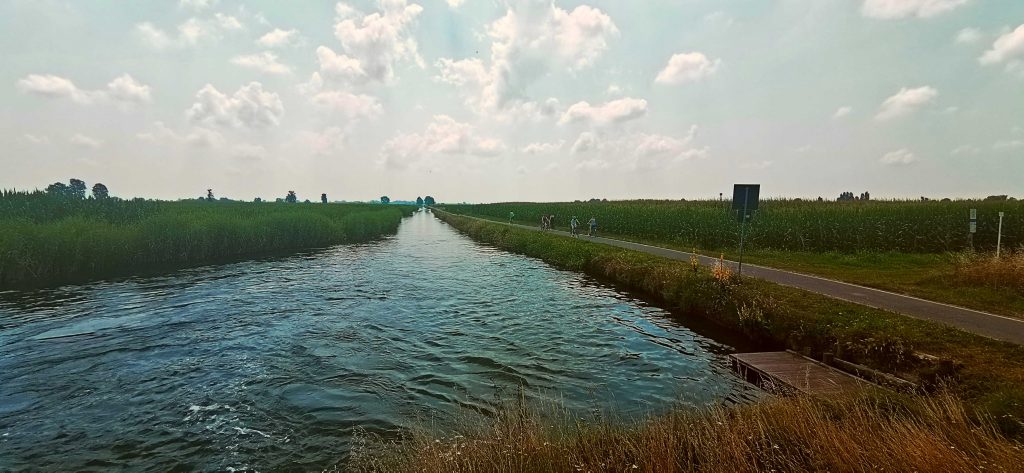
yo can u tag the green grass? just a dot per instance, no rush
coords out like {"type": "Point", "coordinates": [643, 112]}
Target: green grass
{"type": "Point", "coordinates": [50, 240]}
{"type": "Point", "coordinates": [991, 373]}
{"type": "Point", "coordinates": [931, 275]}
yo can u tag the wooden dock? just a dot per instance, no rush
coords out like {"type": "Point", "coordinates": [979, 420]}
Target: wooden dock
{"type": "Point", "coordinates": [788, 372]}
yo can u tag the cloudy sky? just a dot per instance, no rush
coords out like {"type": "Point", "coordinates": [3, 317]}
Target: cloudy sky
{"type": "Point", "coordinates": [488, 100]}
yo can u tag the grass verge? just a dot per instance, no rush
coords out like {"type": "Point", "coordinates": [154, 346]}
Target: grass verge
{"type": "Point", "coordinates": [864, 433]}
{"type": "Point", "coordinates": [989, 374]}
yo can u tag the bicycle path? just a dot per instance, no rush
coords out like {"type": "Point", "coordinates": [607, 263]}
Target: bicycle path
{"type": "Point", "coordinates": [994, 326]}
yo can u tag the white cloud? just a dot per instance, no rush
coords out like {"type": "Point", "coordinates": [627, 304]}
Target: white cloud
{"type": "Point", "coordinates": [37, 139]}
{"type": "Point", "coordinates": [371, 44]}
{"type": "Point", "coordinates": [85, 141]}
{"type": "Point", "coordinates": [613, 90]}
{"type": "Point", "coordinates": [543, 148]}
{"type": "Point", "coordinates": [228, 22]}
{"type": "Point", "coordinates": [842, 112]}
{"type": "Point", "coordinates": [968, 36]}
{"type": "Point", "coordinates": [687, 67]}
{"type": "Point", "coordinates": [277, 38]}
{"type": "Point", "coordinates": [249, 152]}
{"type": "Point", "coordinates": [900, 157]}
{"type": "Point", "coordinates": [126, 89]}
{"type": "Point", "coordinates": [443, 135]}
{"type": "Point", "coordinates": [895, 9]}
{"type": "Point", "coordinates": [1008, 145]}
{"type": "Point", "coordinates": [249, 107]}
{"type": "Point", "coordinates": [349, 105]}
{"type": "Point", "coordinates": [585, 143]}
{"type": "Point", "coordinates": [263, 62]}
{"type": "Point", "coordinates": [196, 5]}
{"type": "Point", "coordinates": [330, 140]}
{"type": "Point", "coordinates": [198, 137]}
{"type": "Point", "coordinates": [123, 90]}
{"type": "Point", "coordinates": [906, 101]}
{"type": "Point", "coordinates": [1005, 48]}
{"type": "Point", "coordinates": [190, 32]}
{"type": "Point", "coordinates": [616, 111]}
{"type": "Point", "coordinates": [533, 38]}
{"type": "Point", "coordinates": [455, 3]}
{"type": "Point", "coordinates": [757, 165]}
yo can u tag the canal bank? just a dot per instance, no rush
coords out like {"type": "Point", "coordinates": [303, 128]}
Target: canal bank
{"type": "Point", "coordinates": [989, 374]}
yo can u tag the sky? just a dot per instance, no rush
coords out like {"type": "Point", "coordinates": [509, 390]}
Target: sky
{"type": "Point", "coordinates": [532, 100]}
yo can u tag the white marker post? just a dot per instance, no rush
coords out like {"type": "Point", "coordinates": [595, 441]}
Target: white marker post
{"type": "Point", "coordinates": [999, 237]}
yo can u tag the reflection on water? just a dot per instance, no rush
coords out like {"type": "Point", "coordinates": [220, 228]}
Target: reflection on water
{"type": "Point", "coordinates": [276, 363]}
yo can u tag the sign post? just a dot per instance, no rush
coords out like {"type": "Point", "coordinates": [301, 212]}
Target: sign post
{"type": "Point", "coordinates": [744, 203]}
{"type": "Point", "coordinates": [999, 237]}
{"type": "Point", "coordinates": [972, 228]}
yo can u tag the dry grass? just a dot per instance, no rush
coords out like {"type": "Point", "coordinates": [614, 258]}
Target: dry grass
{"type": "Point", "coordinates": [984, 269]}
{"type": "Point", "coordinates": [864, 433]}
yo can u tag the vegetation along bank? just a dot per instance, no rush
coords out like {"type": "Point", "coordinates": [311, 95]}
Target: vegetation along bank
{"type": "Point", "coordinates": [987, 374]}
{"type": "Point", "coordinates": [46, 238]}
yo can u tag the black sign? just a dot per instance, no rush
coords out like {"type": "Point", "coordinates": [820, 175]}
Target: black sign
{"type": "Point", "coordinates": [745, 200]}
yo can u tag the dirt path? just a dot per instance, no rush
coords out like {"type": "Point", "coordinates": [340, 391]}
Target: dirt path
{"type": "Point", "coordinates": [985, 324]}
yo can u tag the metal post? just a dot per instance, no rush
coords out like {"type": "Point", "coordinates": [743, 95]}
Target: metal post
{"type": "Point", "coordinates": [743, 229]}
{"type": "Point", "coordinates": [999, 237]}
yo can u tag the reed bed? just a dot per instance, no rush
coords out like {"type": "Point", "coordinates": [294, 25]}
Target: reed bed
{"type": "Point", "coordinates": [792, 225]}
{"type": "Point", "coordinates": [48, 240]}
{"type": "Point", "coordinates": [872, 432]}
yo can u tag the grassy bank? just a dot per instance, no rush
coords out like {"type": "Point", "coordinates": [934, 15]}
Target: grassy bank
{"type": "Point", "coordinates": [877, 433]}
{"type": "Point", "coordinates": [49, 240]}
{"type": "Point", "coordinates": [990, 374]}
{"type": "Point", "coordinates": [913, 248]}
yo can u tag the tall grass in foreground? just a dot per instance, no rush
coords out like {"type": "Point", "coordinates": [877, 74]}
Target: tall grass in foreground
{"type": "Point", "coordinates": [93, 239]}
{"type": "Point", "coordinates": [985, 270]}
{"type": "Point", "coordinates": [869, 433]}
{"type": "Point", "coordinates": [792, 225]}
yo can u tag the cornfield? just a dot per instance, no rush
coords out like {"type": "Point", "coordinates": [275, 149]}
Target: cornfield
{"type": "Point", "coordinates": [792, 225]}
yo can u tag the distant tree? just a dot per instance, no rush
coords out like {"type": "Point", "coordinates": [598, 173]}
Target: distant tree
{"type": "Point", "coordinates": [77, 189]}
{"type": "Point", "coordinates": [428, 200]}
{"type": "Point", "coordinates": [996, 198]}
{"type": "Point", "coordinates": [306, 201]}
{"type": "Point", "coordinates": [291, 198]}
{"type": "Point", "coordinates": [385, 199]}
{"type": "Point", "coordinates": [99, 191]}
{"type": "Point", "coordinates": [257, 200]}
{"type": "Point", "coordinates": [58, 189]}
{"type": "Point", "coordinates": [209, 195]}
{"type": "Point", "coordinates": [323, 198]}
{"type": "Point", "coordinates": [419, 201]}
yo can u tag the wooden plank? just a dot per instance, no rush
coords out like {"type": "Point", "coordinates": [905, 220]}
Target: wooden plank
{"type": "Point", "coordinates": [788, 371]}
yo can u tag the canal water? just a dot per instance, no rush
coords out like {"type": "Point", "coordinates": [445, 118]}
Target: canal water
{"type": "Point", "coordinates": [276, 364]}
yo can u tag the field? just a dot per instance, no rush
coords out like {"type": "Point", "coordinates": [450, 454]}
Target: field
{"type": "Point", "coordinates": [916, 248]}
{"type": "Point", "coordinates": [46, 239]}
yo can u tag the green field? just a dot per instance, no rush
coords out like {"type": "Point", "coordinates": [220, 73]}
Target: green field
{"type": "Point", "coordinates": [914, 248]}
{"type": "Point", "coordinates": [47, 239]}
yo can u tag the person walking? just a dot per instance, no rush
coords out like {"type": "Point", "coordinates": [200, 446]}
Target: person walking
{"type": "Point", "coordinates": [511, 215]}
{"type": "Point", "coordinates": [593, 227]}
{"type": "Point", "coordinates": [574, 227]}
{"type": "Point", "coordinates": [545, 222]}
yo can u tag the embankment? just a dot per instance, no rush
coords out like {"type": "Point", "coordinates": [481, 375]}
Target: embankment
{"type": "Point", "coordinates": [86, 240]}
{"type": "Point", "coordinates": [988, 375]}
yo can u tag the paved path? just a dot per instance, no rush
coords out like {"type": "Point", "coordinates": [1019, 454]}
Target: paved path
{"type": "Point", "coordinates": [985, 324]}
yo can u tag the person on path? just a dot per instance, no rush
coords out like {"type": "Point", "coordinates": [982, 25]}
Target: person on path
{"type": "Point", "coordinates": [551, 221]}
{"type": "Point", "coordinates": [593, 227]}
{"type": "Point", "coordinates": [511, 215]}
{"type": "Point", "coordinates": [545, 222]}
{"type": "Point", "coordinates": [574, 227]}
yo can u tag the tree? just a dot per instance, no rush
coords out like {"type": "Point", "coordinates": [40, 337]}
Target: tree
{"type": "Point", "coordinates": [419, 201]}
{"type": "Point", "coordinates": [58, 189]}
{"type": "Point", "coordinates": [428, 200]}
{"type": "Point", "coordinates": [385, 199]}
{"type": "Point", "coordinates": [77, 189]}
{"type": "Point", "coordinates": [291, 198]}
{"type": "Point", "coordinates": [209, 195]}
{"type": "Point", "coordinates": [323, 198]}
{"type": "Point", "coordinates": [257, 200]}
{"type": "Point", "coordinates": [99, 191]}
